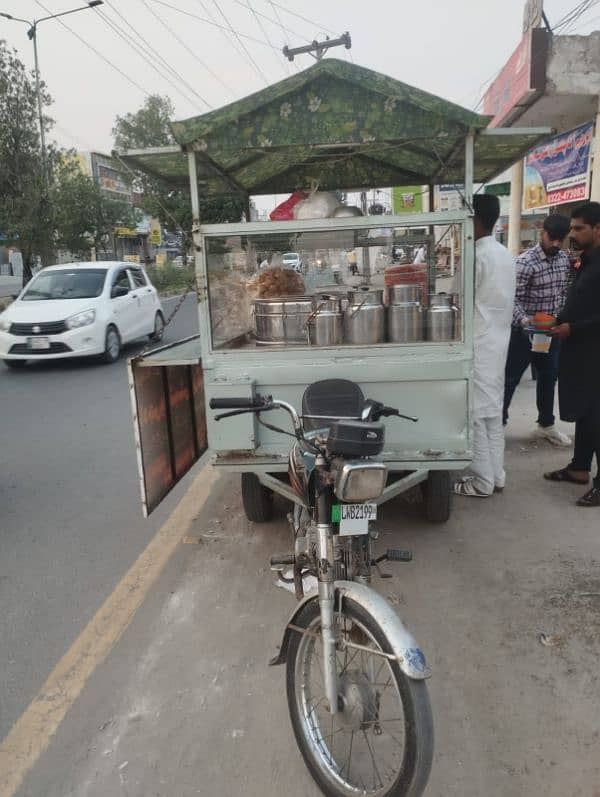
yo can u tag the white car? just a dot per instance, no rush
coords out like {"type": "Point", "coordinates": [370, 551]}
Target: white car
{"type": "Point", "coordinates": [79, 310]}
{"type": "Point", "coordinates": [292, 260]}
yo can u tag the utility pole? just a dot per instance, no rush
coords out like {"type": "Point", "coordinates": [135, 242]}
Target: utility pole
{"type": "Point", "coordinates": [318, 49]}
{"type": "Point", "coordinates": [32, 35]}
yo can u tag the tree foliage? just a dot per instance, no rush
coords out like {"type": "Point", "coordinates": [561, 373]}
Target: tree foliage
{"type": "Point", "coordinates": [150, 127]}
{"type": "Point", "coordinates": [84, 216]}
{"type": "Point", "coordinates": [25, 212]}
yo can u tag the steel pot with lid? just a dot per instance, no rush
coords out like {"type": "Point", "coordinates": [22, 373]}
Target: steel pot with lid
{"type": "Point", "coordinates": [282, 320]}
{"type": "Point", "coordinates": [364, 317]}
{"type": "Point", "coordinates": [405, 314]}
{"type": "Point", "coordinates": [441, 319]}
{"type": "Point", "coordinates": [325, 327]}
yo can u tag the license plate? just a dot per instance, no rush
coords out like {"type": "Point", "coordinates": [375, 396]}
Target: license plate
{"type": "Point", "coordinates": [38, 343]}
{"type": "Point", "coordinates": [354, 518]}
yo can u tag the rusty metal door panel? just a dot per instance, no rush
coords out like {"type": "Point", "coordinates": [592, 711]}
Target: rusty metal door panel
{"type": "Point", "coordinates": [170, 425]}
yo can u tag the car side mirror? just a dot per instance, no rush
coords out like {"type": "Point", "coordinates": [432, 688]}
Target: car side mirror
{"type": "Point", "coordinates": [117, 291]}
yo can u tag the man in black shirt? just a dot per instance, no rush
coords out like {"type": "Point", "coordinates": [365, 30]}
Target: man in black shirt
{"type": "Point", "coordinates": [578, 328]}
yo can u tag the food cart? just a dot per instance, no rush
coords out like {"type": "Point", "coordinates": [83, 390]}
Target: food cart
{"type": "Point", "coordinates": [344, 127]}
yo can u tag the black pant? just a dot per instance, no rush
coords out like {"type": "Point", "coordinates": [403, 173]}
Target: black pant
{"type": "Point", "coordinates": [519, 358]}
{"type": "Point", "coordinates": [587, 442]}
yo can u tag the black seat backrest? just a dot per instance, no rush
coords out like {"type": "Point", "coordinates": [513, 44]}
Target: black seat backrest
{"type": "Point", "coordinates": [331, 399]}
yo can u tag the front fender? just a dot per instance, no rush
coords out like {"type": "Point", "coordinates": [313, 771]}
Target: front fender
{"type": "Point", "coordinates": [403, 645]}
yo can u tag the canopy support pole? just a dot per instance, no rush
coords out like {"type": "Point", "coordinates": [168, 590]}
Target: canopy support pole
{"type": "Point", "coordinates": [469, 169]}
{"type": "Point", "coordinates": [195, 200]}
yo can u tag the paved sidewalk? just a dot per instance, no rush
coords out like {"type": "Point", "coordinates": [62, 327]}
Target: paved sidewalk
{"type": "Point", "coordinates": [186, 704]}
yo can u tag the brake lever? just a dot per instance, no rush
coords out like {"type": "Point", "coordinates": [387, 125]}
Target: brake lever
{"type": "Point", "coordinates": [243, 412]}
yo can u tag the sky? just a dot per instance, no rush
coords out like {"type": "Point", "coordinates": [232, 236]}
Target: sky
{"type": "Point", "coordinates": [452, 49]}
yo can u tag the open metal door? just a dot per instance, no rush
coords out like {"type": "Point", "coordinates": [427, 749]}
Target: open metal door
{"type": "Point", "coordinates": [169, 419]}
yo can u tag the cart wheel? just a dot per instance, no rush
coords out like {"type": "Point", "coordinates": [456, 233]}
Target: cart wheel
{"type": "Point", "coordinates": [437, 494]}
{"type": "Point", "coordinates": [256, 498]}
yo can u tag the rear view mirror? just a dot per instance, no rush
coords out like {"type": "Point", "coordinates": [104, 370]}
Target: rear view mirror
{"type": "Point", "coordinates": [118, 290]}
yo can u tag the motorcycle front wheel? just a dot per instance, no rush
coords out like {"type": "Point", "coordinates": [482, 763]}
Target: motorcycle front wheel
{"type": "Point", "coordinates": [380, 743]}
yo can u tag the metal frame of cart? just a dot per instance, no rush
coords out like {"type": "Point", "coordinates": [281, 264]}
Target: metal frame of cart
{"type": "Point", "coordinates": [422, 139]}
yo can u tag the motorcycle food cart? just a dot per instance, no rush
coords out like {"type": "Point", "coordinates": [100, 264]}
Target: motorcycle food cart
{"type": "Point", "coordinates": [346, 128]}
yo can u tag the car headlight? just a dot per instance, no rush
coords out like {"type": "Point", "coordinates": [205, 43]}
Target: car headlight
{"type": "Point", "coordinates": [4, 323]}
{"type": "Point", "coordinates": [360, 481]}
{"type": "Point", "coordinates": [81, 319]}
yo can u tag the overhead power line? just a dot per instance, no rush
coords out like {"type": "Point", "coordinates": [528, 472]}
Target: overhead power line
{"type": "Point", "coordinates": [211, 22]}
{"type": "Point", "coordinates": [223, 31]}
{"type": "Point", "coordinates": [98, 53]}
{"type": "Point", "coordinates": [165, 71]}
{"type": "Point", "coordinates": [257, 16]}
{"type": "Point", "coordinates": [299, 16]}
{"type": "Point", "coordinates": [278, 16]}
{"type": "Point", "coordinates": [186, 47]}
{"type": "Point", "coordinates": [251, 60]}
{"type": "Point", "coordinates": [269, 19]}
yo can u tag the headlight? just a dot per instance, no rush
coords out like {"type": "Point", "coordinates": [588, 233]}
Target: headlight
{"type": "Point", "coordinates": [81, 319]}
{"type": "Point", "coordinates": [360, 481]}
{"type": "Point", "coordinates": [4, 323]}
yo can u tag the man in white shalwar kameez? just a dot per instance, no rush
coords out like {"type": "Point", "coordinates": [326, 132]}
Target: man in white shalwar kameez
{"type": "Point", "coordinates": [495, 277]}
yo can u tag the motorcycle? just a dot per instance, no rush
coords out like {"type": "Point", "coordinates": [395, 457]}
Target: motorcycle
{"type": "Point", "coordinates": [355, 676]}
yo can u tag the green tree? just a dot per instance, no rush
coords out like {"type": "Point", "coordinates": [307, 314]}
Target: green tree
{"type": "Point", "coordinates": [25, 213]}
{"type": "Point", "coordinates": [85, 217]}
{"type": "Point", "coordinates": [150, 126]}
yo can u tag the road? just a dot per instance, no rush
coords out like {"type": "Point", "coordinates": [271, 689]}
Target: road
{"type": "Point", "coordinates": [182, 702]}
{"type": "Point", "coordinates": [185, 703]}
{"type": "Point", "coordinates": [70, 508]}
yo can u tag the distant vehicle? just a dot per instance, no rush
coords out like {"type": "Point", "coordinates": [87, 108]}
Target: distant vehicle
{"type": "Point", "coordinates": [179, 260]}
{"type": "Point", "coordinates": [78, 310]}
{"type": "Point", "coordinates": [292, 260]}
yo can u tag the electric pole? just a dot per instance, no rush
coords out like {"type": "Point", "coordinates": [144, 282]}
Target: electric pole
{"type": "Point", "coordinates": [318, 49]}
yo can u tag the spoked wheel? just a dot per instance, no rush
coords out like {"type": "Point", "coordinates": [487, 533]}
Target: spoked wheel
{"type": "Point", "coordinates": [381, 741]}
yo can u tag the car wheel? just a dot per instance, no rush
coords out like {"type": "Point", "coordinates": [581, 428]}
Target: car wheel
{"type": "Point", "coordinates": [159, 328]}
{"type": "Point", "coordinates": [15, 365]}
{"type": "Point", "coordinates": [112, 346]}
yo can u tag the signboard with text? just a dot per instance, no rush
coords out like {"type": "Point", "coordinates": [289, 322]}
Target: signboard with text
{"type": "Point", "coordinates": [559, 170]}
{"type": "Point", "coordinates": [408, 199]}
{"type": "Point", "coordinates": [521, 80]}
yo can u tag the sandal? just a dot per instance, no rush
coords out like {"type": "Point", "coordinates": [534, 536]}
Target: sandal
{"type": "Point", "coordinates": [591, 498]}
{"type": "Point", "coordinates": [563, 475]}
{"type": "Point", "coordinates": [467, 487]}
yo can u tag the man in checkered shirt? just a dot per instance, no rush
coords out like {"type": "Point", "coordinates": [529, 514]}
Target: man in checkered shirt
{"type": "Point", "coordinates": [542, 277]}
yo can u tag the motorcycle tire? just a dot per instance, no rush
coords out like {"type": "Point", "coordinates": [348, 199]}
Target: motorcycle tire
{"type": "Point", "coordinates": [417, 724]}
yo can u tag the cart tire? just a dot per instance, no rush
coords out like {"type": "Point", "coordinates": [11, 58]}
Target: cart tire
{"type": "Point", "coordinates": [437, 494]}
{"type": "Point", "coordinates": [256, 498]}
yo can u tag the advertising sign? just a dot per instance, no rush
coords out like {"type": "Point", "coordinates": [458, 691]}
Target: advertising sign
{"type": "Point", "coordinates": [559, 170]}
{"type": "Point", "coordinates": [408, 199]}
{"type": "Point", "coordinates": [521, 80]}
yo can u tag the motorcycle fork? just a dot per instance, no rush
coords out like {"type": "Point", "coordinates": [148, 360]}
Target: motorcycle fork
{"type": "Point", "coordinates": [325, 572]}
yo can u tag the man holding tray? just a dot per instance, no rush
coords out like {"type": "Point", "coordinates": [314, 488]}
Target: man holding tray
{"type": "Point", "coordinates": [542, 277]}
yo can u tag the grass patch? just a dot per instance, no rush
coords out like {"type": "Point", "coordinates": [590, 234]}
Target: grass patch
{"type": "Point", "coordinates": [170, 278]}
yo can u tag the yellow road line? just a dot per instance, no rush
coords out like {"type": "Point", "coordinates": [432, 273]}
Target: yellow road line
{"type": "Point", "coordinates": [32, 732]}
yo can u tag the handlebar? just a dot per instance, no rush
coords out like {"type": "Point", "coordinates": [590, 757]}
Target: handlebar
{"type": "Point", "coordinates": [237, 403]}
{"type": "Point", "coordinates": [372, 411]}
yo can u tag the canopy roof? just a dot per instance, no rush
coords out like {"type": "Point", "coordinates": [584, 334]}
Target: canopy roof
{"type": "Point", "coordinates": [338, 124]}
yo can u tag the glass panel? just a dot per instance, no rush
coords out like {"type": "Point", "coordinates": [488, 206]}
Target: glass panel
{"type": "Point", "coordinates": [394, 285]}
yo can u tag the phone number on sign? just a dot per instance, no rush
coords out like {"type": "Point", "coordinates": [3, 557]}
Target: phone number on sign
{"type": "Point", "coordinates": [567, 195]}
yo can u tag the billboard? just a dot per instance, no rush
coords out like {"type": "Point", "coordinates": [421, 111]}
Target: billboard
{"type": "Point", "coordinates": [559, 170]}
{"type": "Point", "coordinates": [408, 199]}
{"type": "Point", "coordinates": [522, 79]}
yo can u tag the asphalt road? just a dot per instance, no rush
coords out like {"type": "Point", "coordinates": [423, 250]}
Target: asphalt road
{"type": "Point", "coordinates": [71, 521]}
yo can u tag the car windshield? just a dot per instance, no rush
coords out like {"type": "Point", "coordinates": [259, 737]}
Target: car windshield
{"type": "Point", "coordinates": [68, 284]}
{"type": "Point", "coordinates": [290, 256]}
